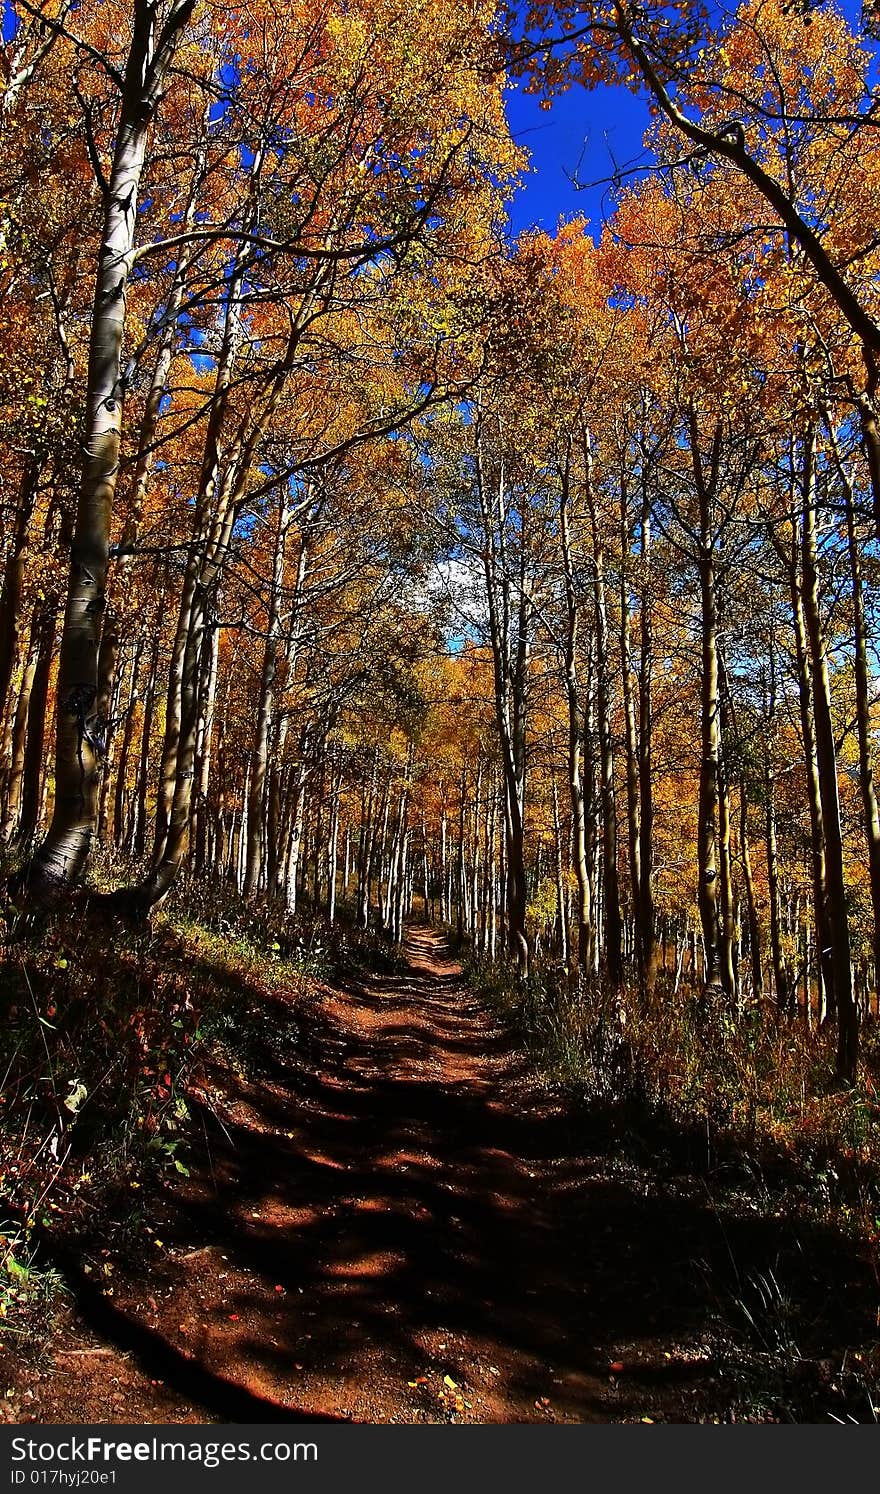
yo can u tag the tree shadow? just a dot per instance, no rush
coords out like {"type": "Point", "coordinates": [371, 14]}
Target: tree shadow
{"type": "Point", "coordinates": [394, 1198]}
{"type": "Point", "coordinates": [156, 1357]}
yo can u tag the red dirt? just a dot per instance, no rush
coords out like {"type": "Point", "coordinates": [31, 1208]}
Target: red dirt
{"type": "Point", "coordinates": [397, 1223]}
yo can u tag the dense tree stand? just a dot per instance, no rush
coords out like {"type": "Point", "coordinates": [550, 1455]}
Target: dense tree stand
{"type": "Point", "coordinates": [370, 554]}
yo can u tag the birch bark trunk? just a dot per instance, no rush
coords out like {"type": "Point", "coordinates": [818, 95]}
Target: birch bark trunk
{"type": "Point", "coordinates": [61, 858]}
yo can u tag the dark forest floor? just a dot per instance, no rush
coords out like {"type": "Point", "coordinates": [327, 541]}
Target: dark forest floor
{"type": "Point", "coordinates": [395, 1220]}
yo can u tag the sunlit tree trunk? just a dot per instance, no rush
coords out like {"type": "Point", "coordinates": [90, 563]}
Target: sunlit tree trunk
{"type": "Point", "coordinates": [12, 803]}
{"type": "Point", "coordinates": [646, 913]}
{"type": "Point", "coordinates": [710, 730]}
{"type": "Point", "coordinates": [814, 798]}
{"type": "Point", "coordinates": [146, 453]}
{"type": "Point", "coordinates": [365, 849]}
{"type": "Point", "coordinates": [751, 896]}
{"type": "Point", "coordinates": [612, 920]}
{"type": "Point", "coordinates": [785, 995]}
{"type": "Point", "coordinates": [121, 772]}
{"type": "Point", "coordinates": [139, 837]}
{"type": "Point", "coordinates": [592, 810]}
{"type": "Point", "coordinates": [204, 744]}
{"type": "Point", "coordinates": [630, 733]}
{"type": "Point", "coordinates": [260, 753]}
{"type": "Point", "coordinates": [34, 771]}
{"type": "Point", "coordinates": [826, 754]}
{"type": "Point", "coordinates": [15, 565]}
{"type": "Point", "coordinates": [580, 854]}
{"type": "Point", "coordinates": [491, 880]}
{"type": "Point", "coordinates": [508, 628]}
{"type": "Point", "coordinates": [864, 695]}
{"type": "Point", "coordinates": [461, 907]}
{"type": "Point", "coordinates": [62, 856]}
{"type": "Point", "coordinates": [561, 900]}
{"type": "Point", "coordinates": [729, 971]}
{"type": "Point", "coordinates": [333, 845]}
{"type": "Point", "coordinates": [293, 856]}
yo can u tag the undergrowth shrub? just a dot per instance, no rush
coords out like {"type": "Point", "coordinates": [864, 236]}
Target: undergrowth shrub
{"type": "Point", "coordinates": [97, 1035]}
{"type": "Point", "coordinates": [745, 1091]}
{"type": "Point", "coordinates": [29, 1289]}
{"type": "Point", "coordinates": [747, 1104]}
{"type": "Point", "coordinates": [101, 1029]}
{"type": "Point", "coordinates": [303, 939]}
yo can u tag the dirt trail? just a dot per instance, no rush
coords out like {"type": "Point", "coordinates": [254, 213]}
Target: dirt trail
{"type": "Point", "coordinates": [395, 1223]}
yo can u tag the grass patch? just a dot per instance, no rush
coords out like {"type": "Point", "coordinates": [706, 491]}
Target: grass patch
{"type": "Point", "coordinates": [30, 1291]}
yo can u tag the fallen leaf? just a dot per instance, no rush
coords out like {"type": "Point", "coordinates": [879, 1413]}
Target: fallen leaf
{"type": "Point", "coordinates": [617, 1367]}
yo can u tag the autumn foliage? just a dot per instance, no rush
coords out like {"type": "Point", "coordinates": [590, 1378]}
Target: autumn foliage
{"type": "Point", "coordinates": [367, 560]}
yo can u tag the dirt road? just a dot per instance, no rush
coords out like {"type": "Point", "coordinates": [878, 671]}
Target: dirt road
{"type": "Point", "coordinates": [394, 1222]}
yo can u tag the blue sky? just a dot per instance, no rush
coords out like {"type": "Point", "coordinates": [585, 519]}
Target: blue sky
{"type": "Point", "coordinates": [583, 135]}
{"type": "Point", "coordinates": [579, 140]}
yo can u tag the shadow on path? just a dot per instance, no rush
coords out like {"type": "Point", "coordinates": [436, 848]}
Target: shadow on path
{"type": "Point", "coordinates": [396, 1205]}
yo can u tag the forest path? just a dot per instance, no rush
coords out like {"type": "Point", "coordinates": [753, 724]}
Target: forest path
{"type": "Point", "coordinates": [394, 1221]}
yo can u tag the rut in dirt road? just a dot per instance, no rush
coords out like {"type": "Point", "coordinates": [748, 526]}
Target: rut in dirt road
{"type": "Point", "coordinates": [394, 1221]}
